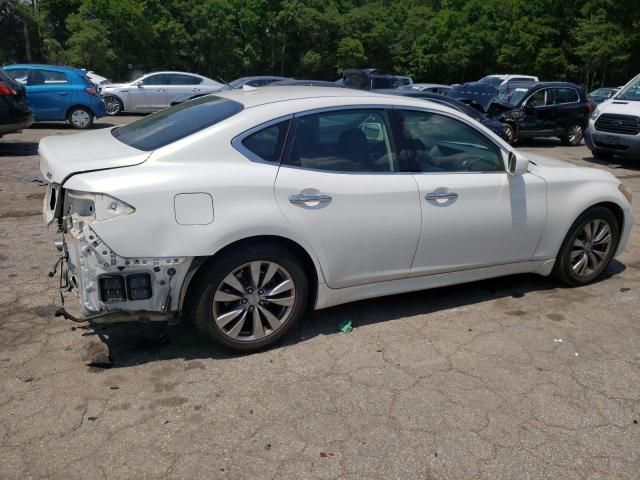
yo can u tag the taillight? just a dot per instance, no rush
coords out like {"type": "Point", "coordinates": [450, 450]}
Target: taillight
{"type": "Point", "coordinates": [590, 107]}
{"type": "Point", "coordinates": [6, 90]}
{"type": "Point", "coordinates": [91, 91]}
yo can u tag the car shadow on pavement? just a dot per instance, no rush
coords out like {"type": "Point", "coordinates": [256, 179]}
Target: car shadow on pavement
{"type": "Point", "coordinates": [103, 123]}
{"type": "Point", "coordinates": [132, 344]}
{"type": "Point", "coordinates": [615, 162]}
{"type": "Point", "coordinates": [541, 142]}
{"type": "Point", "coordinates": [17, 149]}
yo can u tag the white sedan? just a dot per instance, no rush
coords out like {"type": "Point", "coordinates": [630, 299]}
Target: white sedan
{"type": "Point", "coordinates": [154, 91]}
{"type": "Point", "coordinates": [242, 209]}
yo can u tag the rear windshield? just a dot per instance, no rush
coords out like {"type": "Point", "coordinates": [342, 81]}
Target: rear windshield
{"type": "Point", "coordinates": [172, 124]}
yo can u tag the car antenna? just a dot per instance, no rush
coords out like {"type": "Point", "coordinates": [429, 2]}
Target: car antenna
{"type": "Point", "coordinates": [220, 79]}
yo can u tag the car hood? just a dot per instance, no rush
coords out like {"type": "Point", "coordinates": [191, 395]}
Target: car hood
{"type": "Point", "coordinates": [552, 169]}
{"type": "Point", "coordinates": [548, 162]}
{"type": "Point", "coordinates": [621, 107]}
{"type": "Point", "coordinates": [64, 155]}
{"type": "Point", "coordinates": [114, 86]}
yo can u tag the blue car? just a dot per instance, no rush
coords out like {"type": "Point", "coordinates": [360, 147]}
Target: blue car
{"type": "Point", "coordinates": [59, 93]}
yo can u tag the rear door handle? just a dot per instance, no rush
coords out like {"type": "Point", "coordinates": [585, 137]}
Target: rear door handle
{"type": "Point", "coordinates": [305, 198]}
{"type": "Point", "coordinates": [431, 196]}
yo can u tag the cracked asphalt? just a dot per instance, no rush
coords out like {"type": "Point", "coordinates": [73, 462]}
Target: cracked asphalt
{"type": "Point", "coordinates": [513, 378]}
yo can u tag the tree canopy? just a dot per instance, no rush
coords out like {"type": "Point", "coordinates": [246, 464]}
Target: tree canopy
{"type": "Point", "coordinates": [594, 42]}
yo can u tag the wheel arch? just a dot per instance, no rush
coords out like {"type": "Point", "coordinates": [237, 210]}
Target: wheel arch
{"type": "Point", "coordinates": [310, 267]}
{"type": "Point", "coordinates": [76, 105]}
{"type": "Point", "coordinates": [119, 97]}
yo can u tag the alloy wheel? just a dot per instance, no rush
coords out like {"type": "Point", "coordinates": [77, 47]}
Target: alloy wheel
{"type": "Point", "coordinates": [509, 132]}
{"type": "Point", "coordinates": [80, 118]}
{"type": "Point", "coordinates": [575, 134]}
{"type": "Point", "coordinates": [111, 105]}
{"type": "Point", "coordinates": [591, 247]}
{"type": "Point", "coordinates": [254, 301]}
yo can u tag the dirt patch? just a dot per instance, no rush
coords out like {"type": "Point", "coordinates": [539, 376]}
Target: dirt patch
{"type": "Point", "coordinates": [20, 214]}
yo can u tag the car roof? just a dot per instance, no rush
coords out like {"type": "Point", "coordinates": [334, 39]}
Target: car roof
{"type": "Point", "coordinates": [172, 71]}
{"type": "Point", "coordinates": [552, 84]}
{"type": "Point", "coordinates": [45, 66]}
{"type": "Point", "coordinates": [321, 97]}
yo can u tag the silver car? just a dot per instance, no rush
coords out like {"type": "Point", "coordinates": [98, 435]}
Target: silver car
{"type": "Point", "coordinates": [154, 91]}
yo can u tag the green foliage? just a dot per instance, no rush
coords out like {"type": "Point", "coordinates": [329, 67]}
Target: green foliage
{"type": "Point", "coordinates": [587, 41]}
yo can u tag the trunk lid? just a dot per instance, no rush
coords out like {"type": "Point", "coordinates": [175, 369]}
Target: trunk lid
{"type": "Point", "coordinates": [64, 155]}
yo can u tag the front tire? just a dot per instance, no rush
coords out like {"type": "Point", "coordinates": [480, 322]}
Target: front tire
{"type": "Point", "coordinates": [509, 133]}
{"type": "Point", "coordinates": [574, 134]}
{"type": "Point", "coordinates": [80, 118]}
{"type": "Point", "coordinates": [113, 105]}
{"type": "Point", "coordinates": [250, 298]}
{"type": "Point", "coordinates": [588, 248]}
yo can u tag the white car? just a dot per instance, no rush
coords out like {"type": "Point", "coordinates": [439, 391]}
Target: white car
{"type": "Point", "coordinates": [244, 208]}
{"type": "Point", "coordinates": [154, 91]}
{"type": "Point", "coordinates": [614, 126]}
{"type": "Point", "coordinates": [497, 80]}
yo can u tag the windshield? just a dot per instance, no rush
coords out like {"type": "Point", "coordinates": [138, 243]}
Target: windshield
{"type": "Point", "coordinates": [631, 91]}
{"type": "Point", "coordinates": [172, 124]}
{"type": "Point", "coordinates": [513, 96]}
{"type": "Point", "coordinates": [495, 81]}
{"type": "Point", "coordinates": [601, 92]}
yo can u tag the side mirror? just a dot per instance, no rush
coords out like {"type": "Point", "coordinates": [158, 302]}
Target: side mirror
{"type": "Point", "coordinates": [138, 83]}
{"type": "Point", "coordinates": [517, 164]}
{"type": "Point", "coordinates": [528, 107]}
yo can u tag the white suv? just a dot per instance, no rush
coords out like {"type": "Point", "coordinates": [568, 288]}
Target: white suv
{"type": "Point", "coordinates": [614, 126]}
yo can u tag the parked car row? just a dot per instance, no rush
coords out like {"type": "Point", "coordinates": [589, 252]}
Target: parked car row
{"type": "Point", "coordinates": [515, 106]}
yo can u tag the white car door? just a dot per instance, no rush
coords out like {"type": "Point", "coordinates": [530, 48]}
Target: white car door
{"type": "Point", "coordinates": [474, 214]}
{"type": "Point", "coordinates": [180, 84]}
{"type": "Point", "coordinates": [340, 187]}
{"type": "Point", "coordinates": [149, 93]}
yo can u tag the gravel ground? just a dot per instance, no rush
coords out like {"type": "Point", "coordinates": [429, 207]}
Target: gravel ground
{"type": "Point", "coordinates": [515, 378]}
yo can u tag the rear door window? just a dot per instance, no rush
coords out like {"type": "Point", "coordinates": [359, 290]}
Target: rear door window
{"type": "Point", "coordinates": [566, 95]}
{"type": "Point", "coordinates": [172, 124]}
{"type": "Point", "coordinates": [344, 141]}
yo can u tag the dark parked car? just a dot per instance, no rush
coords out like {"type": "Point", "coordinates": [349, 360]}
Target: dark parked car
{"type": "Point", "coordinates": [493, 125]}
{"type": "Point", "coordinates": [372, 79]}
{"type": "Point", "coordinates": [601, 94]}
{"type": "Point", "coordinates": [15, 113]}
{"type": "Point", "coordinates": [544, 109]}
{"type": "Point", "coordinates": [307, 83]}
{"type": "Point", "coordinates": [480, 93]}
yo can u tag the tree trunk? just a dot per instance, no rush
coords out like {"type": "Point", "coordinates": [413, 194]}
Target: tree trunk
{"type": "Point", "coordinates": [27, 41]}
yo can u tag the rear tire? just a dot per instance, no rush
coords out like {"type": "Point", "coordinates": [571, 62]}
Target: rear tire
{"type": "Point", "coordinates": [248, 299]}
{"type": "Point", "coordinates": [574, 134]}
{"type": "Point", "coordinates": [80, 118]}
{"type": "Point", "coordinates": [588, 248]}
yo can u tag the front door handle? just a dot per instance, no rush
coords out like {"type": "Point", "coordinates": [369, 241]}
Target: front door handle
{"type": "Point", "coordinates": [306, 198]}
{"type": "Point", "coordinates": [431, 196]}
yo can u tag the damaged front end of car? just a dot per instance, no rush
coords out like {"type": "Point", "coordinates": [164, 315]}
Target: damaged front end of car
{"type": "Point", "coordinates": [111, 288]}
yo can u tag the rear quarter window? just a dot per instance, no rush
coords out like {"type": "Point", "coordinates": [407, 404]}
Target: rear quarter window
{"type": "Point", "coordinates": [172, 124]}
